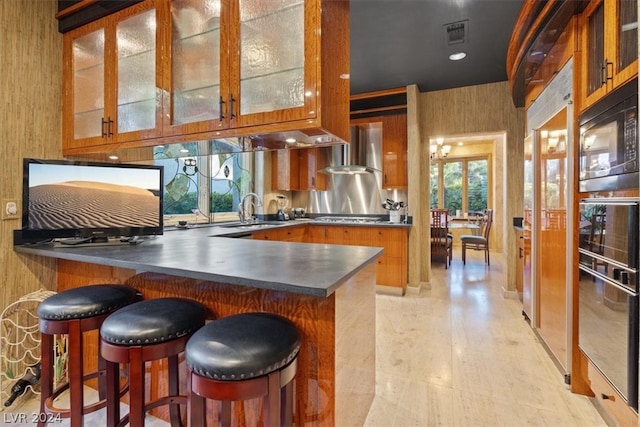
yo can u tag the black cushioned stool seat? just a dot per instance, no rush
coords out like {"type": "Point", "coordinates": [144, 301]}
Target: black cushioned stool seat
{"type": "Point", "coordinates": [73, 312]}
{"type": "Point", "coordinates": [141, 332]}
{"type": "Point", "coordinates": [242, 357]}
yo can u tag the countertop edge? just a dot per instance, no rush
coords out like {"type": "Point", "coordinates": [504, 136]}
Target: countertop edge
{"type": "Point", "coordinates": [77, 254]}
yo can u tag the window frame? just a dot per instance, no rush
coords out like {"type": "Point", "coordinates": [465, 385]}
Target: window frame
{"type": "Point", "coordinates": [203, 178]}
{"type": "Point", "coordinates": [465, 172]}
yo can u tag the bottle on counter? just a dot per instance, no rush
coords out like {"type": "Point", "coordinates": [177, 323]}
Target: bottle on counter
{"type": "Point", "coordinates": [30, 378]}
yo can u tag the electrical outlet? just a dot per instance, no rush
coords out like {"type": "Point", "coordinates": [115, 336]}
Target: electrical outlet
{"type": "Point", "coordinates": [10, 209]}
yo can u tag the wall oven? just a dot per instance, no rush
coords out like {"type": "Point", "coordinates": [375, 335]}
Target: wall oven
{"type": "Point", "coordinates": [609, 142]}
{"type": "Point", "coordinates": [608, 290]}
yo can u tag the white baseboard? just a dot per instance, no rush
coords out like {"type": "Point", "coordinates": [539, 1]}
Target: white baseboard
{"type": "Point", "coordinates": [507, 294]}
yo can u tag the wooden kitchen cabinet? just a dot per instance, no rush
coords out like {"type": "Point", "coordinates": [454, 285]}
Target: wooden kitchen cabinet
{"type": "Point", "coordinates": [394, 152]}
{"type": "Point", "coordinates": [285, 234]}
{"type": "Point", "coordinates": [218, 69]}
{"type": "Point", "coordinates": [391, 133]}
{"type": "Point", "coordinates": [391, 267]}
{"type": "Point", "coordinates": [110, 81]}
{"type": "Point", "coordinates": [299, 169]}
{"type": "Point", "coordinates": [608, 397]}
{"type": "Point", "coordinates": [609, 36]}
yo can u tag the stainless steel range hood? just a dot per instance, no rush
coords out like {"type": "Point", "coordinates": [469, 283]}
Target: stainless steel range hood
{"type": "Point", "coordinates": [360, 156]}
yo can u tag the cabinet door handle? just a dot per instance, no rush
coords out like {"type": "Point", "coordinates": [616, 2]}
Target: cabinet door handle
{"type": "Point", "coordinates": [110, 127]}
{"type": "Point", "coordinates": [313, 181]}
{"type": "Point", "coordinates": [520, 253]}
{"type": "Point", "coordinates": [605, 72]}
{"type": "Point", "coordinates": [232, 103]}
{"type": "Point", "coordinates": [104, 123]}
{"type": "Point", "coordinates": [221, 106]}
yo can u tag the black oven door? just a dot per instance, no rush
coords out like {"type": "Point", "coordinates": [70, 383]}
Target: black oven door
{"type": "Point", "coordinates": [608, 332]}
{"type": "Point", "coordinates": [609, 229]}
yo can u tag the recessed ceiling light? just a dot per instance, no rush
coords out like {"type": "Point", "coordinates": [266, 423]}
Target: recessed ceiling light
{"type": "Point", "coordinates": [457, 56]}
{"type": "Point", "coordinates": [113, 157]}
{"type": "Point", "coordinates": [290, 140]}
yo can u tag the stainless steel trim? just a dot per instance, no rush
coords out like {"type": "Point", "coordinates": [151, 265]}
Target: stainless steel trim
{"type": "Point", "coordinates": [624, 201]}
{"type": "Point", "coordinates": [604, 278]}
{"type": "Point", "coordinates": [607, 260]}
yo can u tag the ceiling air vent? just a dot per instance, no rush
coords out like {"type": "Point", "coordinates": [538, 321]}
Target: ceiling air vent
{"type": "Point", "coordinates": [456, 32]}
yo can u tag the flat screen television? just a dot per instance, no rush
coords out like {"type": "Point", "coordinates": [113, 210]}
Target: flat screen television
{"type": "Point", "coordinates": [90, 200]}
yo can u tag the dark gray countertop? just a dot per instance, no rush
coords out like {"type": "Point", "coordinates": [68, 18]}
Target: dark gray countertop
{"type": "Point", "coordinates": [303, 268]}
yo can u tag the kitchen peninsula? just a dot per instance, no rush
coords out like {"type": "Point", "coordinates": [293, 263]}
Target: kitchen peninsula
{"type": "Point", "coordinates": [327, 290]}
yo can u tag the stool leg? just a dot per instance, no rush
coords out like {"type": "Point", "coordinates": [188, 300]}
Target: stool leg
{"type": "Point", "coordinates": [112, 393]}
{"type": "Point", "coordinates": [174, 390]}
{"type": "Point", "coordinates": [102, 367]}
{"type": "Point", "coordinates": [272, 401]}
{"type": "Point", "coordinates": [225, 413]}
{"type": "Point", "coordinates": [46, 375]}
{"type": "Point", "coordinates": [286, 410]}
{"type": "Point", "coordinates": [136, 387]}
{"type": "Point", "coordinates": [196, 407]}
{"type": "Point", "coordinates": [76, 382]}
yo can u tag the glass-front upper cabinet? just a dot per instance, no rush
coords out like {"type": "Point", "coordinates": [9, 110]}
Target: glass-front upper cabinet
{"type": "Point", "coordinates": [270, 70]}
{"type": "Point", "coordinates": [110, 79]}
{"type": "Point", "coordinates": [237, 63]}
{"type": "Point", "coordinates": [211, 68]}
{"type": "Point", "coordinates": [197, 95]}
{"type": "Point", "coordinates": [610, 46]}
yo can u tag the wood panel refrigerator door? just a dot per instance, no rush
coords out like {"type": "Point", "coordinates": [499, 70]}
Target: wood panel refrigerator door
{"type": "Point", "coordinates": [530, 177]}
{"type": "Point", "coordinates": [552, 228]}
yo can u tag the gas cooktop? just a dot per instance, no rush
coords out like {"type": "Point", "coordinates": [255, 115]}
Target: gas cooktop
{"type": "Point", "coordinates": [350, 219]}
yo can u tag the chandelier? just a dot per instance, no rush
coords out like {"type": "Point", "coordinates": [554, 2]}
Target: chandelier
{"type": "Point", "coordinates": [438, 150]}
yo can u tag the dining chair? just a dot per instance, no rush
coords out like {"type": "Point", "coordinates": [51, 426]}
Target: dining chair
{"type": "Point", "coordinates": [441, 240]}
{"type": "Point", "coordinates": [478, 243]}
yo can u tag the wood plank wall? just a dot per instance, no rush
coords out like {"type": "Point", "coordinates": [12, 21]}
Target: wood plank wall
{"type": "Point", "coordinates": [473, 110]}
{"type": "Point", "coordinates": [30, 124]}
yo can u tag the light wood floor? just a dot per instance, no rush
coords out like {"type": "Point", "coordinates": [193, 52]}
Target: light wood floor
{"type": "Point", "coordinates": [458, 354]}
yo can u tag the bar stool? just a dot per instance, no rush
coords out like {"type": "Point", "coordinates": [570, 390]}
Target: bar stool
{"type": "Point", "coordinates": [73, 312]}
{"type": "Point", "coordinates": [141, 332]}
{"type": "Point", "coordinates": [240, 357]}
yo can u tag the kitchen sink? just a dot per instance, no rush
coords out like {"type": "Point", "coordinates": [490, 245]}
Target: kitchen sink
{"type": "Point", "coordinates": [257, 225]}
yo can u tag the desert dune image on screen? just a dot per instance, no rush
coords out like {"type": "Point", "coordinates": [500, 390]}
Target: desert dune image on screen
{"type": "Point", "coordinates": [76, 197]}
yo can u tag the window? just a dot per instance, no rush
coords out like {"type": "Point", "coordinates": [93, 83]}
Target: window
{"type": "Point", "coordinates": [460, 184]}
{"type": "Point", "coordinates": [202, 187]}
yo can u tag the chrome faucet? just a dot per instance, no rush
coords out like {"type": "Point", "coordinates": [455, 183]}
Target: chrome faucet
{"type": "Point", "coordinates": [242, 212]}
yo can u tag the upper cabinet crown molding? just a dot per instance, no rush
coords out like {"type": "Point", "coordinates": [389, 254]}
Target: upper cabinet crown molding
{"type": "Point", "coordinates": [75, 13]}
{"type": "Point", "coordinates": [220, 68]}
